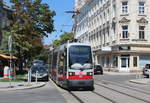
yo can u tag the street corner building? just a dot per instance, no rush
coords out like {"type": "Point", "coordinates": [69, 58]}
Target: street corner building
{"type": "Point", "coordinates": [118, 30]}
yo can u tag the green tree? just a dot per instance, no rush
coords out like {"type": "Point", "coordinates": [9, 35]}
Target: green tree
{"type": "Point", "coordinates": [63, 39]}
{"type": "Point", "coordinates": [32, 21]}
{"type": "Point", "coordinates": [4, 42]}
{"type": "Point", "coordinates": [43, 55]}
{"type": "Point", "coordinates": [56, 43]}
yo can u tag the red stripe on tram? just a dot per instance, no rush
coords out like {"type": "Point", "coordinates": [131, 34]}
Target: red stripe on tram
{"type": "Point", "coordinates": [80, 77]}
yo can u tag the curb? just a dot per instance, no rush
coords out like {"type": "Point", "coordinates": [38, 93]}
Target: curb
{"type": "Point", "coordinates": [24, 88]}
{"type": "Point", "coordinates": [141, 81]}
{"type": "Point", "coordinates": [120, 73]}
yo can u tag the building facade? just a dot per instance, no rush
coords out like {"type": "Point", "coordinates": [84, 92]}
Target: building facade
{"type": "Point", "coordinates": [118, 30]}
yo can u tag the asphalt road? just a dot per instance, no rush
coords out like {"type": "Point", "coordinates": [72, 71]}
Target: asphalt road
{"type": "Point", "coordinates": [102, 93]}
{"type": "Point", "coordinates": [122, 79]}
{"type": "Point", "coordinates": [46, 94]}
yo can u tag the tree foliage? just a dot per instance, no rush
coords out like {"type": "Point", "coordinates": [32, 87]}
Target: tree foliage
{"type": "Point", "coordinates": [32, 21]}
{"type": "Point", "coordinates": [44, 55]}
{"type": "Point", "coordinates": [4, 42]}
{"type": "Point", "coordinates": [63, 39]}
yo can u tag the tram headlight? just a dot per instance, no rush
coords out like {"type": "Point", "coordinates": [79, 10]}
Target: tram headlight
{"type": "Point", "coordinates": [89, 73]}
{"type": "Point", "coordinates": [71, 73]}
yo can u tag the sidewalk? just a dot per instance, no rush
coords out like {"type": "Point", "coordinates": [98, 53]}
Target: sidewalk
{"type": "Point", "coordinates": [122, 73]}
{"type": "Point", "coordinates": [139, 80]}
{"type": "Point", "coordinates": [11, 86]}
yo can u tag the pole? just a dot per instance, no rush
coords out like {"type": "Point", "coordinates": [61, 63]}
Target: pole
{"type": "Point", "coordinates": [28, 77]}
{"type": "Point", "coordinates": [75, 13]}
{"type": "Point", "coordinates": [36, 76]}
{"type": "Point", "coordinates": [10, 52]}
{"type": "Point", "coordinates": [10, 70]}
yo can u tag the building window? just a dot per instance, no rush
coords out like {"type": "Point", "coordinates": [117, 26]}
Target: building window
{"type": "Point", "coordinates": [135, 61]}
{"type": "Point", "coordinates": [125, 32]}
{"type": "Point", "coordinates": [125, 7]}
{"type": "Point", "coordinates": [141, 7]}
{"type": "Point", "coordinates": [141, 32]}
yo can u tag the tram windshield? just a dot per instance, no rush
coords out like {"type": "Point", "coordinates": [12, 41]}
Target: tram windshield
{"type": "Point", "coordinates": [80, 57]}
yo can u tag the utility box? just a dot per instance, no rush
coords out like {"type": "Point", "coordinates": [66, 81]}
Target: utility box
{"type": "Point", "coordinates": [7, 74]}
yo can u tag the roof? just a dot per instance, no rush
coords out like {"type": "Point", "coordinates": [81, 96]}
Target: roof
{"type": "Point", "coordinates": [7, 57]}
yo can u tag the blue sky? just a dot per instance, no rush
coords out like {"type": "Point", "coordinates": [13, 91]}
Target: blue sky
{"type": "Point", "coordinates": [61, 18]}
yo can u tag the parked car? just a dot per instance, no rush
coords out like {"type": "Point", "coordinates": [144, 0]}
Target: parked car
{"type": "Point", "coordinates": [42, 73]}
{"type": "Point", "coordinates": [98, 69]}
{"type": "Point", "coordinates": [146, 70]}
{"type": "Point", "coordinates": [38, 62]}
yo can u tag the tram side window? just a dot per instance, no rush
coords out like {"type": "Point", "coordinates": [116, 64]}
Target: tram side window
{"type": "Point", "coordinates": [65, 61]}
{"type": "Point", "coordinates": [54, 60]}
{"type": "Point", "coordinates": [62, 62]}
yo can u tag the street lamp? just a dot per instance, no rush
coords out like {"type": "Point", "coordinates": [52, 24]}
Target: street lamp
{"type": "Point", "coordinates": [76, 12]}
{"type": "Point", "coordinates": [10, 52]}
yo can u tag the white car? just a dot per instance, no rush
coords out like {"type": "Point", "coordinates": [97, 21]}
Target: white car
{"type": "Point", "coordinates": [146, 70]}
{"type": "Point", "coordinates": [42, 73]}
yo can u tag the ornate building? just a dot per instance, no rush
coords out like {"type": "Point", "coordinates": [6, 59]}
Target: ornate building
{"type": "Point", "coordinates": [118, 31]}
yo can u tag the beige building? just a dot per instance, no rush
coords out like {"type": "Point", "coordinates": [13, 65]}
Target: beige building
{"type": "Point", "coordinates": [118, 30]}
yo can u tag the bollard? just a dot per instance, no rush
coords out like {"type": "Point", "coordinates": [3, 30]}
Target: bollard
{"type": "Point", "coordinates": [149, 74]}
{"type": "Point", "coordinates": [36, 76]}
{"type": "Point", "coordinates": [28, 76]}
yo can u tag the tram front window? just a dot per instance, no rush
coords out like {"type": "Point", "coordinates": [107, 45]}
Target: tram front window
{"type": "Point", "coordinates": [80, 57]}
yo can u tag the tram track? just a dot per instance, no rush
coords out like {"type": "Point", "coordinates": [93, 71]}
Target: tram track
{"type": "Point", "coordinates": [112, 101]}
{"type": "Point", "coordinates": [126, 86]}
{"type": "Point", "coordinates": [105, 85]}
{"type": "Point", "coordinates": [76, 97]}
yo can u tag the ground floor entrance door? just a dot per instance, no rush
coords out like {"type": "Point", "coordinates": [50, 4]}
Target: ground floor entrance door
{"type": "Point", "coordinates": [125, 60]}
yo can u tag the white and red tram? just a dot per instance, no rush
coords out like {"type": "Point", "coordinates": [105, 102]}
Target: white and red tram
{"type": "Point", "coordinates": [72, 65]}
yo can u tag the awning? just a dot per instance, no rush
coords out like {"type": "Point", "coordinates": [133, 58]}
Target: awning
{"type": "Point", "coordinates": [7, 57]}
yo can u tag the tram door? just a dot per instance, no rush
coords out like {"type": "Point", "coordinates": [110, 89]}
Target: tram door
{"type": "Point", "coordinates": [62, 66]}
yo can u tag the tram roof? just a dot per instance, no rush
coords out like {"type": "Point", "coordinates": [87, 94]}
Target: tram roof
{"type": "Point", "coordinates": [61, 47]}
{"type": "Point", "coordinates": [86, 44]}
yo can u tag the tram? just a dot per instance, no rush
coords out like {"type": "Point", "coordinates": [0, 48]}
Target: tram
{"type": "Point", "coordinates": [72, 66]}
